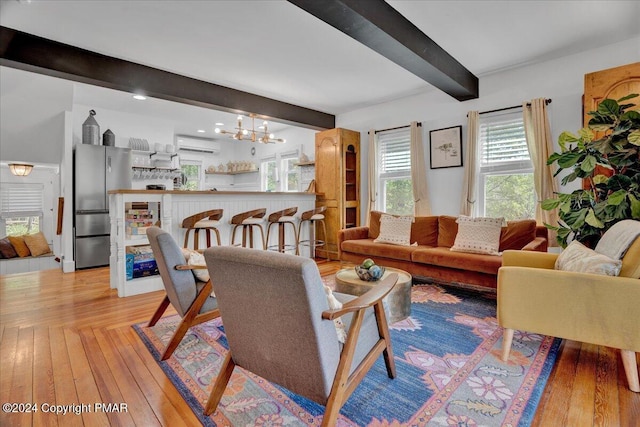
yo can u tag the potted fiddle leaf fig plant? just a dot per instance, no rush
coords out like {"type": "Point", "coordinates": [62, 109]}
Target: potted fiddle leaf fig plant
{"type": "Point", "coordinates": [606, 157]}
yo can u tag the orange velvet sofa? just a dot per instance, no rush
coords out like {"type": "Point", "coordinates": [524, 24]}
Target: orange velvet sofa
{"type": "Point", "coordinates": [431, 257]}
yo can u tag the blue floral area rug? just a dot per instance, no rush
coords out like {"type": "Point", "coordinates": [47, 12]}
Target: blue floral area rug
{"type": "Point", "coordinates": [449, 371]}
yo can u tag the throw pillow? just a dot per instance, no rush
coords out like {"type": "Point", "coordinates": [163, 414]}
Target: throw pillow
{"type": "Point", "coordinates": [20, 246]}
{"type": "Point", "coordinates": [395, 230]}
{"type": "Point", "coordinates": [478, 235]}
{"type": "Point", "coordinates": [37, 244]}
{"type": "Point", "coordinates": [334, 304]}
{"type": "Point", "coordinates": [577, 257]}
{"type": "Point", "coordinates": [447, 231]}
{"type": "Point", "coordinates": [6, 249]}
{"type": "Point", "coordinates": [374, 224]}
{"type": "Point", "coordinates": [517, 234]}
{"type": "Point", "coordinates": [196, 258]}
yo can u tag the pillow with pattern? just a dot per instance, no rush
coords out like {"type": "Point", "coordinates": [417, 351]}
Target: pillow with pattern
{"type": "Point", "coordinates": [479, 235]}
{"type": "Point", "coordinates": [395, 230]}
{"type": "Point", "coordinates": [196, 258]}
{"type": "Point", "coordinates": [579, 258]}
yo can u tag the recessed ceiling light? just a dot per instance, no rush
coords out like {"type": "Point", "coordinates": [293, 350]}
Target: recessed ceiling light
{"type": "Point", "coordinates": [219, 124]}
{"type": "Point", "coordinates": [139, 97]}
{"type": "Point", "coordinates": [201, 131]}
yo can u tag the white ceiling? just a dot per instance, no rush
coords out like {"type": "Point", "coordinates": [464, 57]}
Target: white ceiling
{"type": "Point", "coordinates": [273, 48]}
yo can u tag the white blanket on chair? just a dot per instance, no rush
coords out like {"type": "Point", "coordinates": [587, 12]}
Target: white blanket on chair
{"type": "Point", "coordinates": [616, 240]}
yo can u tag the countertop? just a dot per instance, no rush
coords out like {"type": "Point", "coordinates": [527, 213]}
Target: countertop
{"type": "Point", "coordinates": [209, 192]}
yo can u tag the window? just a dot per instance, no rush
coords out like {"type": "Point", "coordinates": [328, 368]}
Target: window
{"type": "Point", "coordinates": [21, 208]}
{"type": "Point", "coordinates": [192, 170]}
{"type": "Point", "coordinates": [290, 172]}
{"type": "Point", "coordinates": [268, 174]}
{"type": "Point", "coordinates": [395, 193]}
{"type": "Point", "coordinates": [505, 181]}
{"type": "Point", "coordinates": [285, 177]}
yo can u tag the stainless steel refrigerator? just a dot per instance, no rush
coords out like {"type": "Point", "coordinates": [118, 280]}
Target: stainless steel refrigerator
{"type": "Point", "coordinates": [97, 169]}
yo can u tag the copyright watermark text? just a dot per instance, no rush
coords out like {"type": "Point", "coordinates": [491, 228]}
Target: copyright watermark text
{"type": "Point", "coordinates": [72, 408]}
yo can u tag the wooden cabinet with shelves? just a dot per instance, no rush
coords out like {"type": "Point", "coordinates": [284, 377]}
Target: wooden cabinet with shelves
{"type": "Point", "coordinates": [338, 182]}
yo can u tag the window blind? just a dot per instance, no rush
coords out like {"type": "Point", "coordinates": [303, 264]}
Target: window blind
{"type": "Point", "coordinates": [503, 140]}
{"type": "Point", "coordinates": [394, 149]}
{"type": "Point", "coordinates": [19, 200]}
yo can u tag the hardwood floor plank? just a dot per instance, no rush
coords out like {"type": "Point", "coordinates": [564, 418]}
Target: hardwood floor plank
{"type": "Point", "coordinates": [64, 383]}
{"type": "Point", "coordinates": [167, 414]}
{"type": "Point", "coordinates": [8, 350]}
{"type": "Point", "coordinates": [105, 382]}
{"type": "Point", "coordinates": [606, 403]}
{"type": "Point", "coordinates": [22, 381]}
{"type": "Point", "coordinates": [131, 393]}
{"type": "Point", "coordinates": [171, 393]}
{"type": "Point", "coordinates": [44, 390]}
{"type": "Point", "coordinates": [583, 392]}
{"type": "Point", "coordinates": [85, 384]}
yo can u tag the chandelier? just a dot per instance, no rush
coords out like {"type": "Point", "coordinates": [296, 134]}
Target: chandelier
{"type": "Point", "coordinates": [260, 135]}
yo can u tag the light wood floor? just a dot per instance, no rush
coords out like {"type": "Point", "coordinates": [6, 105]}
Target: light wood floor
{"type": "Point", "coordinates": [67, 338]}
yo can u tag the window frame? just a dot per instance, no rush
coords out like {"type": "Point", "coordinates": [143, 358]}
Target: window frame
{"type": "Point", "coordinates": [199, 164]}
{"type": "Point", "coordinates": [402, 135]}
{"type": "Point", "coordinates": [508, 167]}
{"type": "Point", "coordinates": [8, 212]}
{"type": "Point", "coordinates": [287, 166]}
{"type": "Point", "coordinates": [281, 162]}
{"type": "Point", "coordinates": [264, 170]}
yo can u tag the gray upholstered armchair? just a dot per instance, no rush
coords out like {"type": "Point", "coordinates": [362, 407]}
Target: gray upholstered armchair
{"type": "Point", "coordinates": [191, 299]}
{"type": "Point", "coordinates": [279, 326]}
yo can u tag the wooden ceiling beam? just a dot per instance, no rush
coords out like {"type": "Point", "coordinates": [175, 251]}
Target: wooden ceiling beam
{"type": "Point", "coordinates": [32, 53]}
{"type": "Point", "coordinates": [379, 26]}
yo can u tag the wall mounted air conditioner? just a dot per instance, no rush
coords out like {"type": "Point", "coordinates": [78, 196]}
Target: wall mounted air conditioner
{"type": "Point", "coordinates": [198, 145]}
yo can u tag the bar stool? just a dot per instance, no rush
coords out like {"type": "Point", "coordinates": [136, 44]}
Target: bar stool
{"type": "Point", "coordinates": [248, 220]}
{"type": "Point", "coordinates": [281, 218]}
{"type": "Point", "coordinates": [313, 216]}
{"type": "Point", "coordinates": [203, 221]}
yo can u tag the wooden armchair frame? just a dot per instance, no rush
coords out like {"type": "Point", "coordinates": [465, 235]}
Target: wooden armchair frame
{"type": "Point", "coordinates": [191, 318]}
{"type": "Point", "coordinates": [343, 383]}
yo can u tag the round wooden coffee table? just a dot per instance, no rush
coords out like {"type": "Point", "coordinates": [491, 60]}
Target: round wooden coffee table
{"type": "Point", "coordinates": [398, 300]}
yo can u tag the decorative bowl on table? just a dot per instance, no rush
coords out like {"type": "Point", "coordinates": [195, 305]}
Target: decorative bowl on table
{"type": "Point", "coordinates": [370, 274]}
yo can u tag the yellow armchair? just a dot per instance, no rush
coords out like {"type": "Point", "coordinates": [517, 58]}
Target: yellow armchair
{"type": "Point", "coordinates": [591, 308]}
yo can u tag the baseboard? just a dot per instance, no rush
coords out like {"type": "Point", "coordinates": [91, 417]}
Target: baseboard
{"type": "Point", "coordinates": [68, 266]}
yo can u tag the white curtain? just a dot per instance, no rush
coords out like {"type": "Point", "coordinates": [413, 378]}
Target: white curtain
{"type": "Point", "coordinates": [470, 165]}
{"type": "Point", "coordinates": [419, 173]}
{"type": "Point", "coordinates": [538, 134]}
{"type": "Point", "coordinates": [372, 182]}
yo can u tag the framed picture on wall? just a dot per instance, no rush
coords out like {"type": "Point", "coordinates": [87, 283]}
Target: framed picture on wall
{"type": "Point", "coordinates": [446, 147]}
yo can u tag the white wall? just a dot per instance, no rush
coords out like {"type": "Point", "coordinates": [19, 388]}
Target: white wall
{"type": "Point", "coordinates": [31, 129]}
{"type": "Point", "coordinates": [561, 79]}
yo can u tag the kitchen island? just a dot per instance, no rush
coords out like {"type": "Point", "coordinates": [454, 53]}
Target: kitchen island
{"type": "Point", "coordinates": [132, 210]}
